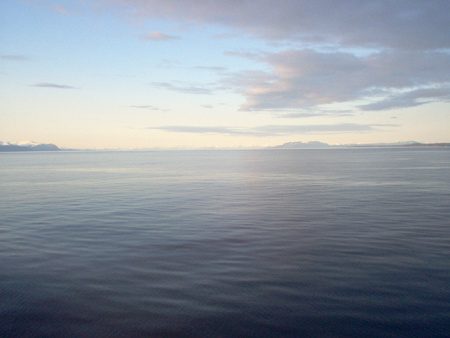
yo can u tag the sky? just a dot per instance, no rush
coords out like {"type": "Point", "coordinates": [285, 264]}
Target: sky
{"type": "Point", "coordinates": [136, 74]}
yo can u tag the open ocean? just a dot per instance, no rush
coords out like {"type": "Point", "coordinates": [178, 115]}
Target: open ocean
{"type": "Point", "coordinates": [230, 243]}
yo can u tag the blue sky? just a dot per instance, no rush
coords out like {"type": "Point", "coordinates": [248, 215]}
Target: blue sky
{"type": "Point", "coordinates": [189, 74]}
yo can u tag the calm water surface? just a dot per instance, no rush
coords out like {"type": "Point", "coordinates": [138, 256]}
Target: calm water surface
{"type": "Point", "coordinates": [258, 243]}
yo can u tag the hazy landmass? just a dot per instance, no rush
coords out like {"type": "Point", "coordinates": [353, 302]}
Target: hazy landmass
{"type": "Point", "coordinates": [317, 145]}
{"type": "Point", "coordinates": [303, 145]}
{"type": "Point", "coordinates": [32, 147]}
{"type": "Point", "coordinates": [401, 144]}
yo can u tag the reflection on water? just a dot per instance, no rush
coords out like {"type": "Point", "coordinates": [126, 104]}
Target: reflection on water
{"type": "Point", "coordinates": [327, 243]}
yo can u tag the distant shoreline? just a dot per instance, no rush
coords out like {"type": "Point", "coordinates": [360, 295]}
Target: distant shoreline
{"type": "Point", "coordinates": [320, 145]}
{"type": "Point", "coordinates": [405, 145]}
{"type": "Point", "coordinates": [291, 145]}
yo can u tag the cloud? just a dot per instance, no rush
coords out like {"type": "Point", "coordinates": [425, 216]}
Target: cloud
{"type": "Point", "coordinates": [226, 36]}
{"type": "Point", "coordinates": [15, 57]}
{"type": "Point", "coordinates": [277, 130]}
{"type": "Point", "coordinates": [315, 113]}
{"type": "Point", "coordinates": [410, 99]}
{"type": "Point", "coordinates": [186, 89]}
{"type": "Point", "coordinates": [53, 85]}
{"type": "Point", "coordinates": [114, 75]}
{"type": "Point", "coordinates": [245, 54]}
{"type": "Point", "coordinates": [145, 107]}
{"type": "Point", "coordinates": [306, 79]}
{"type": "Point", "coordinates": [407, 25]}
{"type": "Point", "coordinates": [158, 36]}
{"type": "Point", "coordinates": [367, 53]}
{"type": "Point", "coordinates": [198, 130]}
{"type": "Point", "coordinates": [59, 8]}
{"type": "Point", "coordinates": [214, 69]}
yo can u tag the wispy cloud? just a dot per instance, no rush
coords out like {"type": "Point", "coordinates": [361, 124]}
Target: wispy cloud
{"type": "Point", "coordinates": [244, 54]}
{"type": "Point", "coordinates": [53, 85]}
{"type": "Point", "coordinates": [144, 107]}
{"type": "Point", "coordinates": [113, 75]}
{"type": "Point", "coordinates": [186, 89]}
{"type": "Point", "coordinates": [214, 69]}
{"type": "Point", "coordinates": [15, 57]}
{"type": "Point", "coordinates": [315, 113]}
{"type": "Point", "coordinates": [199, 130]}
{"type": "Point", "coordinates": [158, 36]}
{"type": "Point", "coordinates": [59, 8]}
{"type": "Point", "coordinates": [278, 130]}
{"type": "Point", "coordinates": [169, 64]}
{"type": "Point", "coordinates": [226, 36]}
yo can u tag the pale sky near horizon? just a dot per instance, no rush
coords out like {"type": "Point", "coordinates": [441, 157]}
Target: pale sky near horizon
{"type": "Point", "coordinates": [218, 73]}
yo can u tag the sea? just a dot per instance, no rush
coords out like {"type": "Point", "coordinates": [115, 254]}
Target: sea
{"type": "Point", "coordinates": [351, 242]}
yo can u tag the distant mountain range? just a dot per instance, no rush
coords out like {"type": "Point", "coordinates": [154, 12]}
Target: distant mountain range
{"type": "Point", "coordinates": [28, 147]}
{"type": "Point", "coordinates": [317, 145]}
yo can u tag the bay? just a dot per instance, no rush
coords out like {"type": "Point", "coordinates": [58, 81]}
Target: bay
{"type": "Point", "coordinates": [225, 243]}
